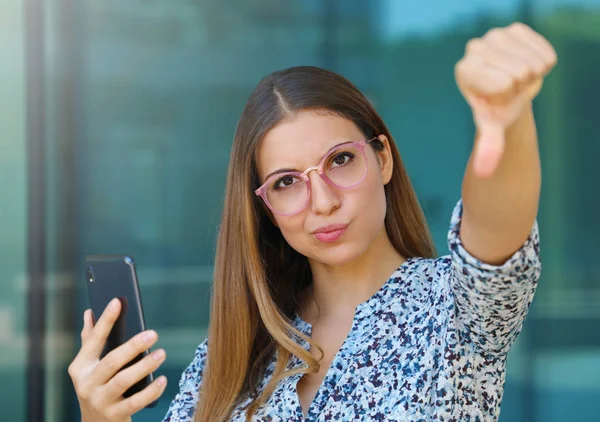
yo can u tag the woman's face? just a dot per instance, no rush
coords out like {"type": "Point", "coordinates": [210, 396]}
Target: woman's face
{"type": "Point", "coordinates": [300, 143]}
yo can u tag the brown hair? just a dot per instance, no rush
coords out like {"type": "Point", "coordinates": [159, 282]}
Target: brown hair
{"type": "Point", "coordinates": [258, 276]}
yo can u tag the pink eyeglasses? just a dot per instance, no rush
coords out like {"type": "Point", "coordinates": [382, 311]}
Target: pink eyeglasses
{"type": "Point", "coordinates": [344, 167]}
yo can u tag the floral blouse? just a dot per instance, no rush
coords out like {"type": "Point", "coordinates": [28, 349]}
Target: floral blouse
{"type": "Point", "coordinates": [430, 345]}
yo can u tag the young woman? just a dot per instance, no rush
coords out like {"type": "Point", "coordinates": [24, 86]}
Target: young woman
{"type": "Point", "coordinates": [329, 302]}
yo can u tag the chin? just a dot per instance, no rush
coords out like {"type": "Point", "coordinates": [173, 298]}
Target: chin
{"type": "Point", "coordinates": [338, 255]}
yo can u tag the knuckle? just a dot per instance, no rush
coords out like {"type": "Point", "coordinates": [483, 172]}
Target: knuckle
{"type": "Point", "coordinates": [133, 347]}
{"type": "Point", "coordinates": [518, 26]}
{"type": "Point", "coordinates": [110, 363]}
{"type": "Point", "coordinates": [106, 321]}
{"type": "Point", "coordinates": [71, 370]}
{"type": "Point", "coordinates": [459, 65]}
{"type": "Point", "coordinates": [94, 336]}
{"type": "Point", "coordinates": [132, 405]}
{"type": "Point", "coordinates": [121, 382]}
{"type": "Point", "coordinates": [84, 394]}
{"type": "Point", "coordinates": [473, 44]}
{"type": "Point", "coordinates": [459, 69]}
{"type": "Point", "coordinates": [494, 33]}
{"type": "Point", "coordinates": [146, 338]}
{"type": "Point", "coordinates": [139, 344]}
{"type": "Point", "coordinates": [148, 363]}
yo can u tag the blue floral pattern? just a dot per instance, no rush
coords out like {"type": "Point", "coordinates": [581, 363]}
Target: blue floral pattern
{"type": "Point", "coordinates": [430, 345]}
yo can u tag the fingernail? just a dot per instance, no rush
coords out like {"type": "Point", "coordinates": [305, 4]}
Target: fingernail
{"type": "Point", "coordinates": [149, 336]}
{"type": "Point", "coordinates": [158, 354]}
{"type": "Point", "coordinates": [162, 380]}
{"type": "Point", "coordinates": [114, 304]}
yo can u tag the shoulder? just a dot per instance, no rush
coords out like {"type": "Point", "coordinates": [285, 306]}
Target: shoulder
{"type": "Point", "coordinates": [193, 373]}
{"type": "Point", "coordinates": [183, 405]}
{"type": "Point", "coordinates": [421, 275]}
{"type": "Point", "coordinates": [421, 286]}
{"type": "Point", "coordinates": [201, 353]}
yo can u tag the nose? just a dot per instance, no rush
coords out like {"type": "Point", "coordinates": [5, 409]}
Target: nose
{"type": "Point", "coordinates": [324, 198]}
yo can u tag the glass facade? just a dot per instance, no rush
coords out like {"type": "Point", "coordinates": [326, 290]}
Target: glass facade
{"type": "Point", "coordinates": [141, 100]}
{"type": "Point", "coordinates": [13, 213]}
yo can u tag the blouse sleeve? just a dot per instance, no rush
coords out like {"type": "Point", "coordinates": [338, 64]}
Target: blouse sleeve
{"type": "Point", "coordinates": [183, 406]}
{"type": "Point", "coordinates": [492, 301]}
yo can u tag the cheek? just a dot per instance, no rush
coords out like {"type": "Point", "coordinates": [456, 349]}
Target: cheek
{"type": "Point", "coordinates": [292, 230]}
{"type": "Point", "coordinates": [372, 208]}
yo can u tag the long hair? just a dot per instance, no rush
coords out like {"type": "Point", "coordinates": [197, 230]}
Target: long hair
{"type": "Point", "coordinates": [257, 276]}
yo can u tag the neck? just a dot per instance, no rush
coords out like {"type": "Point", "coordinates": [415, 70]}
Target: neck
{"type": "Point", "coordinates": [337, 290]}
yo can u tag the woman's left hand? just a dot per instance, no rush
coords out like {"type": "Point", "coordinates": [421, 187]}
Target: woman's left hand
{"type": "Point", "coordinates": [499, 76]}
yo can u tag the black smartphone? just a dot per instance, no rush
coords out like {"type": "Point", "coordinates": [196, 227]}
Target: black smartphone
{"type": "Point", "coordinates": [110, 276]}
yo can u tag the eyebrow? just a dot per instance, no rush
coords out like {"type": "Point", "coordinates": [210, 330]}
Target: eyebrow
{"type": "Point", "coordinates": [288, 170]}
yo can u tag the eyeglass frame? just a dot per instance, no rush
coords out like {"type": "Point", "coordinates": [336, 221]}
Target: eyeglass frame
{"type": "Point", "coordinates": [261, 191]}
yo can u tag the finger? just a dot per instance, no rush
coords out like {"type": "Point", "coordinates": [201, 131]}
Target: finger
{"type": "Point", "coordinates": [88, 324]}
{"type": "Point", "coordinates": [528, 52]}
{"type": "Point", "coordinates": [542, 46]}
{"type": "Point", "coordinates": [122, 355]}
{"type": "Point", "coordinates": [489, 148]}
{"type": "Point", "coordinates": [482, 79]}
{"type": "Point", "coordinates": [97, 339]}
{"type": "Point", "coordinates": [516, 46]}
{"type": "Point", "coordinates": [519, 70]}
{"type": "Point", "coordinates": [131, 375]}
{"type": "Point", "coordinates": [142, 399]}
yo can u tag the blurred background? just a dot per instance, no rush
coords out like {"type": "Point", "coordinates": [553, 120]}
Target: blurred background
{"type": "Point", "coordinates": [117, 119]}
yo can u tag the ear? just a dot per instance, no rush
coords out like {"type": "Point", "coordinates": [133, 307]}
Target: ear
{"type": "Point", "coordinates": [385, 159]}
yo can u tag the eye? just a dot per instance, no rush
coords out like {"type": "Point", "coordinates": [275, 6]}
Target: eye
{"type": "Point", "coordinates": [285, 182]}
{"type": "Point", "coordinates": [341, 159]}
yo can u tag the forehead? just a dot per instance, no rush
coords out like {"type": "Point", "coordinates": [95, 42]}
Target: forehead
{"type": "Point", "coordinates": [301, 141]}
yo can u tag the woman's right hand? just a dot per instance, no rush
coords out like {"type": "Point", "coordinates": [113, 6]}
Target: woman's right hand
{"type": "Point", "coordinates": [100, 384]}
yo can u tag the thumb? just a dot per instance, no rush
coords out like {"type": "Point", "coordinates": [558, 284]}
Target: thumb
{"type": "Point", "coordinates": [489, 148]}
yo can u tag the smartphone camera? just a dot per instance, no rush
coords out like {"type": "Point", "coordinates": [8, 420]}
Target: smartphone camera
{"type": "Point", "coordinates": [90, 275]}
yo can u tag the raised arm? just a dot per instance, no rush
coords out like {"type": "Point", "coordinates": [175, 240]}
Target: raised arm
{"type": "Point", "coordinates": [499, 76]}
{"type": "Point", "coordinates": [494, 239]}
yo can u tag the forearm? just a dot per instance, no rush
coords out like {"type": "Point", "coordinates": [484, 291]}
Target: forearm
{"type": "Point", "coordinates": [499, 210]}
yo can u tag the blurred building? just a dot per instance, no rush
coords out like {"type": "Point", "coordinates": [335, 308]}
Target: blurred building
{"type": "Point", "coordinates": [139, 103]}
